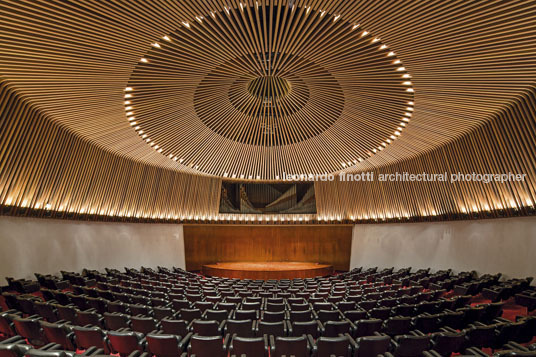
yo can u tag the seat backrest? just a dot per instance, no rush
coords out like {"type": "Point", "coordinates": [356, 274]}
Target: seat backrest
{"type": "Point", "coordinates": [273, 316]}
{"type": "Point", "coordinates": [143, 324]}
{"type": "Point", "coordinates": [162, 312]}
{"type": "Point", "coordinates": [190, 314]}
{"type": "Point", "coordinates": [333, 346]}
{"type": "Point", "coordinates": [410, 346]}
{"type": "Point", "coordinates": [58, 334]}
{"type": "Point", "coordinates": [89, 336]}
{"type": "Point", "coordinates": [162, 345]}
{"type": "Point", "coordinates": [218, 315]}
{"type": "Point", "coordinates": [300, 328]}
{"type": "Point", "coordinates": [398, 325]}
{"type": "Point", "coordinates": [249, 346]}
{"type": "Point", "coordinates": [305, 315]}
{"type": "Point", "coordinates": [174, 327]}
{"type": "Point", "coordinates": [291, 346]}
{"type": "Point", "coordinates": [372, 346]}
{"type": "Point", "coordinates": [448, 343]}
{"type": "Point", "coordinates": [241, 328]}
{"type": "Point", "coordinates": [355, 315]}
{"type": "Point", "coordinates": [328, 315]}
{"type": "Point", "coordinates": [206, 346]}
{"type": "Point", "coordinates": [67, 313]}
{"type": "Point", "coordinates": [271, 328]}
{"type": "Point", "coordinates": [245, 314]}
{"type": "Point", "coordinates": [115, 321]}
{"type": "Point", "coordinates": [368, 327]}
{"type": "Point", "coordinates": [6, 328]}
{"type": "Point", "coordinates": [334, 328]}
{"type": "Point", "coordinates": [89, 318]}
{"type": "Point", "coordinates": [124, 343]}
{"type": "Point", "coordinates": [46, 311]}
{"type": "Point", "coordinates": [206, 327]}
{"type": "Point", "coordinates": [30, 329]}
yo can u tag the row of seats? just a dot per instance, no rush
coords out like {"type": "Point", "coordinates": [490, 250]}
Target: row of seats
{"type": "Point", "coordinates": [349, 307]}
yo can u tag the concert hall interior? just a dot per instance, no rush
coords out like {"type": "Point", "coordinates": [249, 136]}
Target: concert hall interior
{"type": "Point", "coordinates": [247, 178]}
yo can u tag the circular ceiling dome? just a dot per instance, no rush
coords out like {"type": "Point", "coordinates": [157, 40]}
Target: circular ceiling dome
{"type": "Point", "coordinates": [259, 92]}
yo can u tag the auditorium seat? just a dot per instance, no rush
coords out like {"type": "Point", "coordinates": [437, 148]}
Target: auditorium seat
{"type": "Point", "coordinates": [46, 311]}
{"type": "Point", "coordinates": [207, 327]}
{"type": "Point", "coordinates": [273, 316]}
{"type": "Point", "coordinates": [116, 321]}
{"type": "Point", "coordinates": [328, 315]}
{"type": "Point", "coordinates": [143, 324]}
{"type": "Point", "coordinates": [14, 347]}
{"type": "Point", "coordinates": [162, 312]}
{"type": "Point", "coordinates": [411, 345]}
{"type": "Point", "coordinates": [332, 346]}
{"type": "Point", "coordinates": [86, 337]}
{"type": "Point", "coordinates": [207, 346]}
{"type": "Point", "coordinates": [125, 342]}
{"type": "Point", "coordinates": [61, 334]}
{"type": "Point", "coordinates": [367, 327]}
{"type": "Point", "coordinates": [448, 342]}
{"type": "Point", "coordinates": [89, 318]}
{"type": "Point", "coordinates": [174, 327]}
{"type": "Point", "coordinates": [163, 345]}
{"type": "Point", "coordinates": [243, 328]}
{"type": "Point", "coordinates": [67, 313]}
{"type": "Point", "coordinates": [190, 314]}
{"type": "Point", "coordinates": [218, 315]}
{"type": "Point", "coordinates": [290, 346]}
{"type": "Point", "coordinates": [7, 328]}
{"type": "Point", "coordinates": [30, 329]}
{"type": "Point", "coordinates": [271, 328]}
{"type": "Point", "coordinates": [246, 314]}
{"type": "Point", "coordinates": [398, 325]}
{"type": "Point", "coordinates": [249, 346]}
{"type": "Point", "coordinates": [335, 328]}
{"type": "Point", "coordinates": [372, 346]}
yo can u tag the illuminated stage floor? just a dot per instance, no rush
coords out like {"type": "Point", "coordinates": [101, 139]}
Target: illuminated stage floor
{"type": "Point", "coordinates": [267, 270]}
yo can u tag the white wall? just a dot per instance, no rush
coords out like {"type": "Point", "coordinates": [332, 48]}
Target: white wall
{"type": "Point", "coordinates": [505, 245]}
{"type": "Point", "coordinates": [31, 245]}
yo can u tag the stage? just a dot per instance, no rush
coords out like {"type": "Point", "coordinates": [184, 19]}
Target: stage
{"type": "Point", "coordinates": [267, 270]}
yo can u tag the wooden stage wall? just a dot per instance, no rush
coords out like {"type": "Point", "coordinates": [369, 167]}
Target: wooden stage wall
{"type": "Point", "coordinates": [209, 244]}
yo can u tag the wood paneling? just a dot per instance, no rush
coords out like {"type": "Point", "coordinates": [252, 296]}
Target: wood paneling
{"type": "Point", "coordinates": [209, 244]}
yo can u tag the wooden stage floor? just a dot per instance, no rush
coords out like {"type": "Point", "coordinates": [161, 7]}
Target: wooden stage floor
{"type": "Point", "coordinates": [267, 270]}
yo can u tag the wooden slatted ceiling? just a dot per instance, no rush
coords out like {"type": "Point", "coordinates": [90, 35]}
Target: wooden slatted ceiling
{"type": "Point", "coordinates": [468, 59]}
{"type": "Point", "coordinates": [66, 139]}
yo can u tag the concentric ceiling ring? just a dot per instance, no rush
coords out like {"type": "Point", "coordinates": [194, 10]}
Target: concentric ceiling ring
{"type": "Point", "coordinates": [262, 91]}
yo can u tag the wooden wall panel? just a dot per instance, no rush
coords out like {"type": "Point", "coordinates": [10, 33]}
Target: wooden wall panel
{"type": "Point", "coordinates": [206, 244]}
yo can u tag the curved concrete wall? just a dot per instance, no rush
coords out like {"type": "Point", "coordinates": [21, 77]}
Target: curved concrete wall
{"type": "Point", "coordinates": [31, 245]}
{"type": "Point", "coordinates": [505, 245]}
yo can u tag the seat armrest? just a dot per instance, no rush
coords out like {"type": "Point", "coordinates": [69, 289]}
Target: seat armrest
{"type": "Point", "coordinates": [516, 346]}
{"type": "Point", "coordinates": [289, 327]}
{"type": "Point", "coordinates": [51, 347]}
{"type": "Point", "coordinates": [93, 351]}
{"type": "Point", "coordinates": [272, 344]}
{"type": "Point", "coordinates": [320, 327]}
{"type": "Point", "coordinates": [311, 342]}
{"type": "Point", "coordinates": [183, 343]}
{"type": "Point", "coordinates": [14, 339]}
{"type": "Point", "coordinates": [353, 343]}
{"type": "Point", "coordinates": [222, 326]}
{"type": "Point", "coordinates": [226, 343]}
{"type": "Point", "coordinates": [417, 333]}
